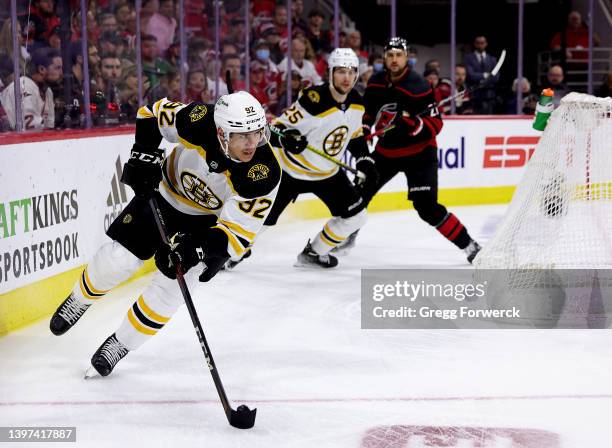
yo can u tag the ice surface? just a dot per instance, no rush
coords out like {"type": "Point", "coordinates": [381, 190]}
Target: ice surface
{"type": "Point", "coordinates": [288, 341]}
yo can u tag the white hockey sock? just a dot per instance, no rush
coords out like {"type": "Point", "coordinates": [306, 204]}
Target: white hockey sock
{"type": "Point", "coordinates": [335, 231]}
{"type": "Point", "coordinates": [110, 266]}
{"type": "Point", "coordinates": [153, 309]}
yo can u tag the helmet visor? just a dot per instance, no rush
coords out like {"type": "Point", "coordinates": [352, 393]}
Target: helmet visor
{"type": "Point", "coordinates": [260, 136]}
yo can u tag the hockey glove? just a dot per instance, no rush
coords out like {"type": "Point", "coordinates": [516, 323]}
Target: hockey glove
{"type": "Point", "coordinates": [143, 171]}
{"type": "Point", "coordinates": [406, 124]}
{"type": "Point", "coordinates": [293, 141]}
{"type": "Point", "coordinates": [184, 250]}
{"type": "Point", "coordinates": [366, 166]}
{"type": "Point", "coordinates": [367, 130]}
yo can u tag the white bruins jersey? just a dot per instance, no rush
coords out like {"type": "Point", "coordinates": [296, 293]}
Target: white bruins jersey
{"type": "Point", "coordinates": [38, 111]}
{"type": "Point", "coordinates": [327, 126]}
{"type": "Point", "coordinates": [198, 179]}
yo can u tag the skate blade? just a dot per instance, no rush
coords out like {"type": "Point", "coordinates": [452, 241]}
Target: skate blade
{"type": "Point", "coordinates": [91, 372]}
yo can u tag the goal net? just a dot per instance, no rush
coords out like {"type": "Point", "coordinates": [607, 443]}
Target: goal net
{"type": "Point", "coordinates": [561, 214]}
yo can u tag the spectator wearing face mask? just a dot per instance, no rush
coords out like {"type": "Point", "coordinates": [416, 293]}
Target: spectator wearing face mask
{"type": "Point", "coordinates": [271, 74]}
{"type": "Point", "coordinates": [376, 62]}
{"type": "Point", "coordinates": [261, 52]}
{"type": "Point", "coordinates": [270, 33]}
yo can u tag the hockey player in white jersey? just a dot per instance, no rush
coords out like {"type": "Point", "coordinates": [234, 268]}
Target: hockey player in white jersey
{"type": "Point", "coordinates": [327, 117]}
{"type": "Point", "coordinates": [215, 190]}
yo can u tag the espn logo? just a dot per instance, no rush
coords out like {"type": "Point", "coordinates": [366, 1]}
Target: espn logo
{"type": "Point", "coordinates": [508, 152]}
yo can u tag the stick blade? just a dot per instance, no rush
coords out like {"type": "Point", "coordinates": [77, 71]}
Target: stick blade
{"type": "Point", "coordinates": [243, 417]}
{"type": "Point", "coordinates": [500, 62]}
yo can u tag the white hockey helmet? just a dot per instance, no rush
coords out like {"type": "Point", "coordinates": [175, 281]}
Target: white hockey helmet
{"type": "Point", "coordinates": [238, 112]}
{"type": "Point", "coordinates": [342, 57]}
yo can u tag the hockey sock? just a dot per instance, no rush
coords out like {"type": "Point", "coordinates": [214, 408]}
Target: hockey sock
{"type": "Point", "coordinates": [110, 266]}
{"type": "Point", "coordinates": [335, 231]}
{"type": "Point", "coordinates": [452, 229]}
{"type": "Point", "coordinates": [141, 322]}
{"type": "Point", "coordinates": [153, 309]}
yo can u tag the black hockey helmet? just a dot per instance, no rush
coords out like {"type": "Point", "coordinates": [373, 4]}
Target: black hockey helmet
{"type": "Point", "coordinates": [397, 43]}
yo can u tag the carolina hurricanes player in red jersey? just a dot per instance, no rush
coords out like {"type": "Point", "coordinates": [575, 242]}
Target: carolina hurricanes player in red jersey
{"type": "Point", "coordinates": [396, 97]}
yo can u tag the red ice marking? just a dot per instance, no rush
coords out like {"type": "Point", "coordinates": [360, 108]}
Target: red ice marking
{"type": "Point", "coordinates": [400, 436]}
{"type": "Point", "coordinates": [304, 400]}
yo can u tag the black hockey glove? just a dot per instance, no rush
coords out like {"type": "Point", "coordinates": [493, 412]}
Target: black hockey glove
{"type": "Point", "coordinates": [143, 171]}
{"type": "Point", "coordinates": [366, 166]}
{"type": "Point", "coordinates": [184, 250]}
{"type": "Point", "coordinates": [293, 141]}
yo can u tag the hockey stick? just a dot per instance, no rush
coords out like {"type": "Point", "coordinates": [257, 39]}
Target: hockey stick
{"type": "Point", "coordinates": [480, 85]}
{"type": "Point", "coordinates": [242, 418]}
{"type": "Point", "coordinates": [228, 82]}
{"type": "Point", "coordinates": [278, 132]}
{"type": "Point", "coordinates": [356, 172]}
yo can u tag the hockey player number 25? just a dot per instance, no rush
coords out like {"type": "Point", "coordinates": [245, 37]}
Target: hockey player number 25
{"type": "Point", "coordinates": [293, 114]}
{"type": "Point", "coordinates": [249, 208]}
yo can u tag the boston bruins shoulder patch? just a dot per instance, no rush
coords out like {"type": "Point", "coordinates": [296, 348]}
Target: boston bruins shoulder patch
{"type": "Point", "coordinates": [197, 113]}
{"type": "Point", "coordinates": [314, 96]}
{"type": "Point", "coordinates": [258, 172]}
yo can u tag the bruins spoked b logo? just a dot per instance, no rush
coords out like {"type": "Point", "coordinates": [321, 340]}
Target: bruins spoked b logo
{"type": "Point", "coordinates": [334, 141]}
{"type": "Point", "coordinates": [197, 191]}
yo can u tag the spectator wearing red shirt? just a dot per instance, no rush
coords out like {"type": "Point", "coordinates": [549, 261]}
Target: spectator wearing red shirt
{"type": "Point", "coordinates": [258, 83]}
{"type": "Point", "coordinates": [576, 35]}
{"type": "Point", "coordinates": [280, 20]}
{"type": "Point", "coordinates": [354, 42]}
{"type": "Point", "coordinates": [264, 8]}
{"type": "Point", "coordinates": [271, 76]}
{"type": "Point", "coordinates": [43, 21]}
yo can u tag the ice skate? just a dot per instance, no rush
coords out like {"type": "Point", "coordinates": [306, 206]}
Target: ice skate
{"type": "Point", "coordinates": [67, 314]}
{"type": "Point", "coordinates": [310, 259]}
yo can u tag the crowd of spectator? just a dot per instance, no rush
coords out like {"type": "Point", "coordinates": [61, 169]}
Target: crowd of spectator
{"type": "Point", "coordinates": [53, 87]}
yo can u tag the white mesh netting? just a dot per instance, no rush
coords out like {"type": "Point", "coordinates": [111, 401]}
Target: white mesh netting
{"type": "Point", "coordinates": [561, 214]}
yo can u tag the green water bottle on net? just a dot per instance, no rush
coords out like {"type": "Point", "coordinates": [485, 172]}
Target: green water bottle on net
{"type": "Point", "coordinates": [543, 109]}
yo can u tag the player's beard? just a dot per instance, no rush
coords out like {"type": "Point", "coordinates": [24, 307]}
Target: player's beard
{"type": "Point", "coordinates": [397, 72]}
{"type": "Point", "coordinates": [341, 91]}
